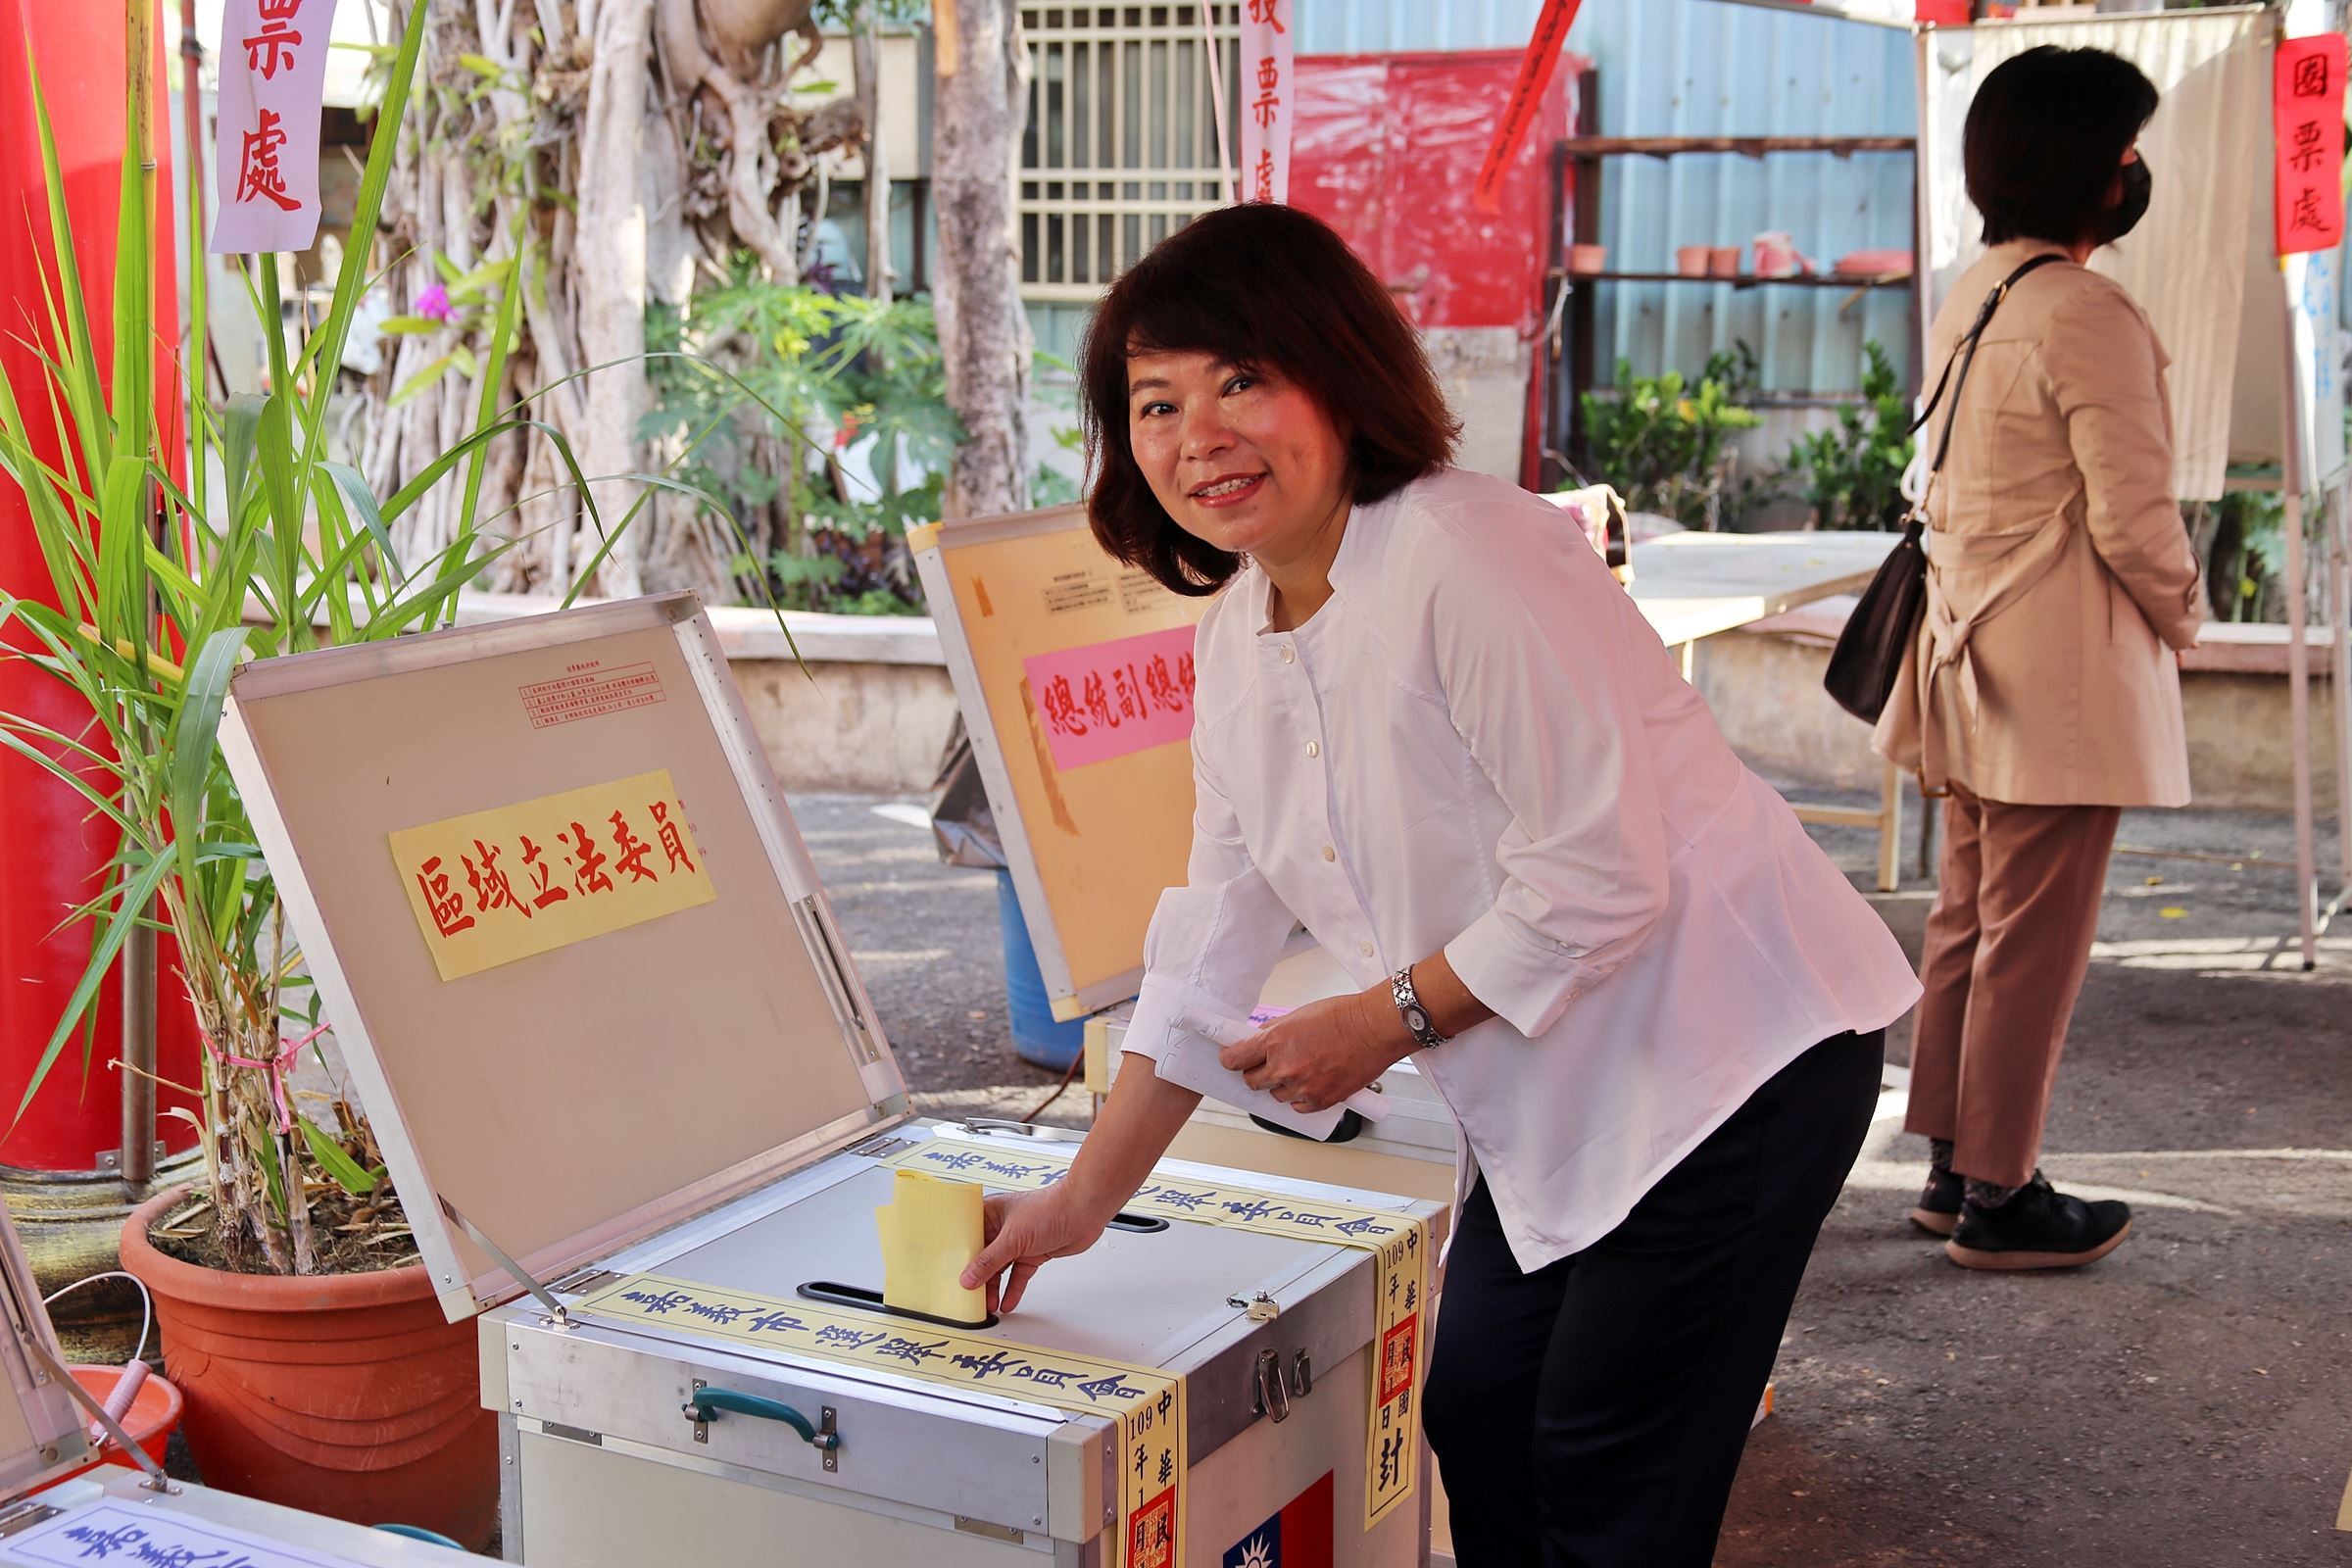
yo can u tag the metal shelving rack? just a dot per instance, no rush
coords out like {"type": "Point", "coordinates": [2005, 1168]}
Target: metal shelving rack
{"type": "Point", "coordinates": [1568, 342]}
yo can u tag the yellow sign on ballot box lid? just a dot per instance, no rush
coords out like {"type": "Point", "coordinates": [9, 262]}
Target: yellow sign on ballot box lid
{"type": "Point", "coordinates": [495, 886]}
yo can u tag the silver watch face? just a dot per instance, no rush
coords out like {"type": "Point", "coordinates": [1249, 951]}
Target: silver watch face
{"type": "Point", "coordinates": [1416, 1021]}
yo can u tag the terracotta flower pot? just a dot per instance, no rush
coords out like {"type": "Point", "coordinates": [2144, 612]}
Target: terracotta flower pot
{"type": "Point", "coordinates": [346, 1394]}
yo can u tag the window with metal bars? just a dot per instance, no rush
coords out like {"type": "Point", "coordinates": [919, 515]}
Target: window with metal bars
{"type": "Point", "coordinates": [1121, 147]}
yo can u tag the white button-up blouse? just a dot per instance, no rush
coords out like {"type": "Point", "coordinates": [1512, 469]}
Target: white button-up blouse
{"type": "Point", "coordinates": [1479, 744]}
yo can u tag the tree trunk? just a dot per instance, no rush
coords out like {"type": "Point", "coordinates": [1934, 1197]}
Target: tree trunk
{"type": "Point", "coordinates": [866, 60]}
{"type": "Point", "coordinates": [609, 271]}
{"type": "Point", "coordinates": [545, 129]}
{"type": "Point", "coordinates": [982, 332]}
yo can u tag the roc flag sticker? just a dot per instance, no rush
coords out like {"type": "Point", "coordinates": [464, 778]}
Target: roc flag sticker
{"type": "Point", "coordinates": [1299, 1536]}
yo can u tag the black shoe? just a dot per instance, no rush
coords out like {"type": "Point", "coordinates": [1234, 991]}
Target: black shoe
{"type": "Point", "coordinates": [2040, 1227]}
{"type": "Point", "coordinates": [1939, 1206]}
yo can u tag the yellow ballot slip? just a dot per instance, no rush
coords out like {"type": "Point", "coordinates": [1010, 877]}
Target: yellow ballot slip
{"type": "Point", "coordinates": [930, 1230]}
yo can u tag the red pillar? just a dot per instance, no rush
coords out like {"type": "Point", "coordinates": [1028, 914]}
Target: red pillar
{"type": "Point", "coordinates": [51, 855]}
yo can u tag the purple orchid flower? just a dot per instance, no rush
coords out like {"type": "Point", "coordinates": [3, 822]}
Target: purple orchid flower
{"type": "Point", "coordinates": [433, 304]}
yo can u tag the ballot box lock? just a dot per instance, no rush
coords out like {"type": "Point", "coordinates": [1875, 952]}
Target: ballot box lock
{"type": "Point", "coordinates": [1257, 1308]}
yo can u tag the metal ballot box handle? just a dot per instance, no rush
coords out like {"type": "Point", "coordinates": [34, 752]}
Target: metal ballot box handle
{"type": "Point", "coordinates": [704, 1405]}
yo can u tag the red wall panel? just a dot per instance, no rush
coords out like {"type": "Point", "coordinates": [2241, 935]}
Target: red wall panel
{"type": "Point", "coordinates": [1386, 150]}
{"type": "Point", "coordinates": [51, 855]}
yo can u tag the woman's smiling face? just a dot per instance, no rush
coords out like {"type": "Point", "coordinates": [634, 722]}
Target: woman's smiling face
{"type": "Point", "coordinates": [1242, 459]}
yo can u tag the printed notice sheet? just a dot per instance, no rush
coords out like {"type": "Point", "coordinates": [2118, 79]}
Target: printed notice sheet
{"type": "Point", "coordinates": [137, 1535]}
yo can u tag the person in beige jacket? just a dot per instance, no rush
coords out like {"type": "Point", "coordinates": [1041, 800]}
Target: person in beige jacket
{"type": "Point", "coordinates": [2043, 690]}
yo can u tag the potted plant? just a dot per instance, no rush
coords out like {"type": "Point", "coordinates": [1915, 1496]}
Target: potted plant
{"type": "Point", "coordinates": [316, 1366]}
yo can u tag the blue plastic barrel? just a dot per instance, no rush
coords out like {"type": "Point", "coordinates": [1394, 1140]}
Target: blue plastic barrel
{"type": "Point", "coordinates": [1036, 1037]}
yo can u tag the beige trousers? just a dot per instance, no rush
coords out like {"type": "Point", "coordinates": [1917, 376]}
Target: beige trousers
{"type": "Point", "coordinates": [2008, 943]}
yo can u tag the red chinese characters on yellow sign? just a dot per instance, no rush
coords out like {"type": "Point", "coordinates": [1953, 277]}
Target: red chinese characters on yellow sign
{"type": "Point", "coordinates": [2307, 117]}
{"type": "Point", "coordinates": [495, 886]}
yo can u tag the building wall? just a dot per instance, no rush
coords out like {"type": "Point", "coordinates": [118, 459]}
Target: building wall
{"type": "Point", "coordinates": [1701, 67]}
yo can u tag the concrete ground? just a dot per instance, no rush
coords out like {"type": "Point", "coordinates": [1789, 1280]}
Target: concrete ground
{"type": "Point", "coordinates": [2184, 1405]}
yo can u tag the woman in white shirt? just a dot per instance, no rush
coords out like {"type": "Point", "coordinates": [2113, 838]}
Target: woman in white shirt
{"type": "Point", "coordinates": [1433, 729]}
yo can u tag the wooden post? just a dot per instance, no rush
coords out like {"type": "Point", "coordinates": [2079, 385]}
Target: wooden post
{"type": "Point", "coordinates": [2339, 633]}
{"type": "Point", "coordinates": [2298, 651]}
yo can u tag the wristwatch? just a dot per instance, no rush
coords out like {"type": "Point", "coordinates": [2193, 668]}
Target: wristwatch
{"type": "Point", "coordinates": [1408, 1007]}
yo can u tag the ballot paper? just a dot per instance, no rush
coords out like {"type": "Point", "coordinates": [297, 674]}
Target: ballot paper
{"type": "Point", "coordinates": [930, 1230]}
{"type": "Point", "coordinates": [122, 1533]}
{"type": "Point", "coordinates": [1190, 1062]}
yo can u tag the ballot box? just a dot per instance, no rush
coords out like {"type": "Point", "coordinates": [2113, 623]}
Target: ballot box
{"type": "Point", "coordinates": [641, 1117]}
{"type": "Point", "coordinates": [117, 1515]}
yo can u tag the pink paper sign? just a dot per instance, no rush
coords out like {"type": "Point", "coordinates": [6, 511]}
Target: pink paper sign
{"type": "Point", "coordinates": [265, 154]}
{"type": "Point", "coordinates": [1106, 700]}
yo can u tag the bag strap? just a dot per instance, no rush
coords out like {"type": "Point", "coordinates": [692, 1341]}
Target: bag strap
{"type": "Point", "coordinates": [1963, 356]}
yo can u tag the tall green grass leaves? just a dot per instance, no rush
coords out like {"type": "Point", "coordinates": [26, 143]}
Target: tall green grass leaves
{"type": "Point", "coordinates": [74, 371]}
{"type": "Point", "coordinates": [502, 337]}
{"type": "Point", "coordinates": [326, 345]}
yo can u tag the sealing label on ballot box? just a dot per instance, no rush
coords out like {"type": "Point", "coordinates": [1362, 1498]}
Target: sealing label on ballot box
{"type": "Point", "coordinates": [1398, 1245]}
{"type": "Point", "coordinates": [1148, 1404]}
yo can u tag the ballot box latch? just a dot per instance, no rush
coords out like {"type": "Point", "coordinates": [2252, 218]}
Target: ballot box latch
{"type": "Point", "coordinates": [1273, 1397]}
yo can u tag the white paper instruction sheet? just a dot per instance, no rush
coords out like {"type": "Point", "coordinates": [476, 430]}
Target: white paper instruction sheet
{"type": "Point", "coordinates": [137, 1536]}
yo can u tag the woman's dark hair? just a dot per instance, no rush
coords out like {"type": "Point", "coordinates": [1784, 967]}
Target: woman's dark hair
{"type": "Point", "coordinates": [2045, 136]}
{"type": "Point", "coordinates": [1269, 286]}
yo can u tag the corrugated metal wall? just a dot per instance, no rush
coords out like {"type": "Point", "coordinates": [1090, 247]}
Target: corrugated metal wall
{"type": "Point", "coordinates": [1696, 68]}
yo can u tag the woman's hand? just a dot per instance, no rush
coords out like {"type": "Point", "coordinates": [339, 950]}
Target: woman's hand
{"type": "Point", "coordinates": [1023, 1231]}
{"type": "Point", "coordinates": [1314, 1058]}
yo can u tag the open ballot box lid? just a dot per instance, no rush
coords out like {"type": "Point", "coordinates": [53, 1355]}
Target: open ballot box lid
{"type": "Point", "coordinates": [1075, 676]}
{"type": "Point", "coordinates": [606, 1030]}
{"type": "Point", "coordinates": [573, 951]}
{"type": "Point", "coordinates": [50, 1515]}
{"type": "Point", "coordinates": [41, 1427]}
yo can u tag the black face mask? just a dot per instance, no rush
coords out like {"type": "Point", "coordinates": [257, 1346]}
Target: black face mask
{"type": "Point", "coordinates": [2125, 215]}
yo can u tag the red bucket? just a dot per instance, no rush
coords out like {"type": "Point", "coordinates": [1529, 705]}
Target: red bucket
{"type": "Point", "coordinates": [153, 1416]}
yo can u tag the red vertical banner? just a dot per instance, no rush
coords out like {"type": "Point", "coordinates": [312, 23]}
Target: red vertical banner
{"type": "Point", "coordinates": [1543, 58]}
{"type": "Point", "coordinates": [2308, 120]}
{"type": "Point", "coordinates": [54, 850]}
{"type": "Point", "coordinates": [1269, 99]}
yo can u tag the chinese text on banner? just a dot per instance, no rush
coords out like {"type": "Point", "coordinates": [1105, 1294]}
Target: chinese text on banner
{"type": "Point", "coordinates": [1269, 98]}
{"type": "Point", "coordinates": [266, 151]}
{"type": "Point", "coordinates": [2308, 113]}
